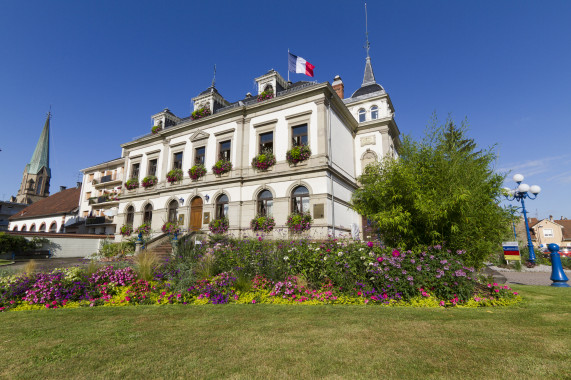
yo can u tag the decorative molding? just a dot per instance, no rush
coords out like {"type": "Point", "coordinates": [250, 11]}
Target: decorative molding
{"type": "Point", "coordinates": [135, 156]}
{"type": "Point", "coordinates": [227, 131]}
{"type": "Point", "coordinates": [199, 135]}
{"type": "Point", "coordinates": [156, 151]}
{"type": "Point", "coordinates": [368, 140]}
{"type": "Point", "coordinates": [174, 145]}
{"type": "Point", "coordinates": [265, 123]}
{"type": "Point", "coordinates": [300, 114]}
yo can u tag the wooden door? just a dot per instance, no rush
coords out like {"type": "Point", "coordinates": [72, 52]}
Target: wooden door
{"type": "Point", "coordinates": [196, 214]}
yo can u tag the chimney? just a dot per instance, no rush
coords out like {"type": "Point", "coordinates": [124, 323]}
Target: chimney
{"type": "Point", "coordinates": [338, 86]}
{"type": "Point", "coordinates": [78, 185]}
{"type": "Point", "coordinates": [551, 218]}
{"type": "Point", "coordinates": [62, 188]}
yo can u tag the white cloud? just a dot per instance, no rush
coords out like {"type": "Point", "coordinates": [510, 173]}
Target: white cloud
{"type": "Point", "coordinates": [543, 165]}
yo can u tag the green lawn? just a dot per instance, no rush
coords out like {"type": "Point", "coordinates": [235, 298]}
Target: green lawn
{"type": "Point", "coordinates": [529, 341]}
{"type": "Point", "coordinates": [5, 262]}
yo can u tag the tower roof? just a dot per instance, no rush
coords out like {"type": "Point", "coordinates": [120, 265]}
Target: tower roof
{"type": "Point", "coordinates": [41, 156]}
{"type": "Point", "coordinates": [369, 86]}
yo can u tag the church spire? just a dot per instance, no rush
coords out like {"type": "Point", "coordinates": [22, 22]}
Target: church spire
{"type": "Point", "coordinates": [369, 77]}
{"type": "Point", "coordinates": [41, 156]}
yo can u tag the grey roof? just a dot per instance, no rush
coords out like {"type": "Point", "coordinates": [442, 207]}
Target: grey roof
{"type": "Point", "coordinates": [209, 90]}
{"type": "Point", "coordinates": [369, 85]}
{"type": "Point", "coordinates": [41, 156]}
{"type": "Point", "coordinates": [368, 90]}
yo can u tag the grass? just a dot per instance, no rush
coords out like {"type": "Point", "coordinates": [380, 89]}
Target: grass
{"type": "Point", "coordinates": [529, 341]}
{"type": "Point", "coordinates": [5, 262]}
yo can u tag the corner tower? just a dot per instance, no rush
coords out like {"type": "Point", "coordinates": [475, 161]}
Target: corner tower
{"type": "Point", "coordinates": [37, 174]}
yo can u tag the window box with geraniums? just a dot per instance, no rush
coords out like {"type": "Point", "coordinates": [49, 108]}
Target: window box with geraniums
{"type": "Point", "coordinates": [264, 160]}
{"type": "Point", "coordinates": [265, 95]}
{"type": "Point", "coordinates": [144, 229]}
{"type": "Point", "coordinates": [170, 228]}
{"type": "Point", "coordinates": [197, 171]}
{"type": "Point", "coordinates": [149, 181]}
{"type": "Point", "coordinates": [297, 222]}
{"type": "Point", "coordinates": [132, 184]}
{"type": "Point", "coordinates": [157, 128]}
{"type": "Point", "coordinates": [219, 226]}
{"type": "Point", "coordinates": [262, 223]}
{"type": "Point", "coordinates": [222, 166]}
{"type": "Point", "coordinates": [200, 113]}
{"type": "Point", "coordinates": [298, 154]}
{"type": "Point", "coordinates": [174, 175]}
{"type": "Point", "coordinates": [126, 230]}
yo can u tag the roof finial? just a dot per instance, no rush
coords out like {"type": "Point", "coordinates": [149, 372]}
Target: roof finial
{"type": "Point", "coordinates": [367, 45]}
{"type": "Point", "coordinates": [214, 77]}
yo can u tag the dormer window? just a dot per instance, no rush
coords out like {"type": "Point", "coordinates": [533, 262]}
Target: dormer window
{"type": "Point", "coordinates": [374, 112]}
{"type": "Point", "coordinates": [362, 115]}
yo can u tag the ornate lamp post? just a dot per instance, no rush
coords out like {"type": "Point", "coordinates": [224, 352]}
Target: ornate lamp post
{"type": "Point", "coordinates": [521, 192]}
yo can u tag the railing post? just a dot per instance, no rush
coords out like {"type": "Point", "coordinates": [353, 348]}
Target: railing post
{"type": "Point", "coordinates": [557, 274]}
{"type": "Point", "coordinates": [138, 243]}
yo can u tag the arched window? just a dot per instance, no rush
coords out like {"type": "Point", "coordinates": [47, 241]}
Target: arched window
{"type": "Point", "coordinates": [33, 228]}
{"type": "Point", "coordinates": [362, 115]}
{"type": "Point", "coordinates": [148, 214]}
{"type": "Point", "coordinates": [130, 215]}
{"type": "Point", "coordinates": [269, 88]}
{"type": "Point", "coordinates": [39, 186]}
{"type": "Point", "coordinates": [172, 213]}
{"type": "Point", "coordinates": [42, 227]}
{"type": "Point", "coordinates": [53, 227]}
{"type": "Point", "coordinates": [265, 203]}
{"type": "Point", "coordinates": [374, 112]}
{"type": "Point", "coordinates": [15, 229]}
{"type": "Point", "coordinates": [222, 206]}
{"type": "Point", "coordinates": [300, 200]}
{"type": "Point", "coordinates": [31, 184]}
{"type": "Point", "coordinates": [24, 229]}
{"type": "Point", "coordinates": [368, 157]}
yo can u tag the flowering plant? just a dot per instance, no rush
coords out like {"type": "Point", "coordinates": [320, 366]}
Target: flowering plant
{"type": "Point", "coordinates": [200, 113]}
{"type": "Point", "coordinates": [265, 95]}
{"type": "Point", "coordinates": [132, 183]}
{"type": "Point", "coordinates": [222, 166]}
{"type": "Point", "coordinates": [219, 226]}
{"type": "Point", "coordinates": [144, 229]}
{"type": "Point", "coordinates": [170, 228]}
{"type": "Point", "coordinates": [264, 160]}
{"type": "Point", "coordinates": [297, 154]}
{"type": "Point", "coordinates": [126, 230]}
{"type": "Point", "coordinates": [262, 223]}
{"type": "Point", "coordinates": [149, 181]}
{"type": "Point", "coordinates": [157, 128]}
{"type": "Point", "coordinates": [174, 175]}
{"type": "Point", "coordinates": [299, 222]}
{"type": "Point", "coordinates": [197, 171]}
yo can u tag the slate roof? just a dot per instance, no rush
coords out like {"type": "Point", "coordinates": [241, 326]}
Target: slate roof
{"type": "Point", "coordinates": [41, 156]}
{"type": "Point", "coordinates": [369, 89]}
{"type": "Point", "coordinates": [63, 202]}
{"type": "Point", "coordinates": [369, 85]}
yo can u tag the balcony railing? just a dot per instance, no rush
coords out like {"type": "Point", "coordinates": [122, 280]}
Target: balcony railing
{"type": "Point", "coordinates": [97, 220]}
{"type": "Point", "coordinates": [103, 199]}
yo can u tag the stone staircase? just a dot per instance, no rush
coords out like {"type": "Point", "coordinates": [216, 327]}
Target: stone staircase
{"type": "Point", "coordinates": [161, 246]}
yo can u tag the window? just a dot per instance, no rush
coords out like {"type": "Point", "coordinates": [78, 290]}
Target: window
{"type": "Point", "coordinates": [85, 214]}
{"type": "Point", "coordinates": [152, 167]}
{"type": "Point", "coordinates": [374, 112]}
{"type": "Point", "coordinates": [23, 228]}
{"type": "Point", "coordinates": [42, 227]}
{"type": "Point", "coordinates": [222, 206]}
{"type": "Point", "coordinates": [199, 155]}
{"type": "Point", "coordinates": [548, 232]}
{"type": "Point", "coordinates": [135, 170]}
{"type": "Point", "coordinates": [265, 203]}
{"type": "Point", "coordinates": [172, 215]}
{"type": "Point", "coordinates": [31, 184]}
{"type": "Point", "coordinates": [300, 200]}
{"type": "Point", "coordinates": [362, 115]}
{"type": "Point", "coordinates": [53, 227]}
{"type": "Point", "coordinates": [130, 215]}
{"type": "Point", "coordinates": [225, 150]}
{"type": "Point", "coordinates": [148, 214]}
{"type": "Point", "coordinates": [15, 229]}
{"type": "Point", "coordinates": [267, 142]}
{"type": "Point", "coordinates": [177, 161]}
{"type": "Point", "coordinates": [33, 228]}
{"type": "Point", "coordinates": [299, 135]}
{"type": "Point", "coordinates": [39, 187]}
{"type": "Point", "coordinates": [90, 177]}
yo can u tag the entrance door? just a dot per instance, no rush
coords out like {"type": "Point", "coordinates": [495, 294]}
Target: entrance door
{"type": "Point", "coordinates": [196, 214]}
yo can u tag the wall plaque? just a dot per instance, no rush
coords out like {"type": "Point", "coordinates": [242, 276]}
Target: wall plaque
{"type": "Point", "coordinates": [181, 220]}
{"type": "Point", "coordinates": [206, 218]}
{"type": "Point", "coordinates": [368, 140]}
{"type": "Point", "coordinates": [319, 211]}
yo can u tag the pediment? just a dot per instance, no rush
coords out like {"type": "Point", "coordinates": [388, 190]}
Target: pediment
{"type": "Point", "coordinates": [199, 135]}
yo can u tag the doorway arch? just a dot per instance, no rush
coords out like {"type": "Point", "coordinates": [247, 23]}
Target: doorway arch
{"type": "Point", "coordinates": [196, 214]}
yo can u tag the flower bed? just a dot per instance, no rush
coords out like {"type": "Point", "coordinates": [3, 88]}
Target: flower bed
{"type": "Point", "coordinates": [132, 184]}
{"type": "Point", "coordinates": [262, 223]}
{"type": "Point", "coordinates": [264, 161]}
{"type": "Point", "coordinates": [144, 229]}
{"type": "Point", "coordinates": [219, 226]}
{"type": "Point", "coordinates": [265, 95]}
{"type": "Point", "coordinates": [174, 175]}
{"type": "Point", "coordinates": [170, 228]}
{"type": "Point", "coordinates": [298, 154]}
{"type": "Point", "coordinates": [222, 166]}
{"type": "Point", "coordinates": [298, 223]}
{"type": "Point", "coordinates": [126, 230]}
{"type": "Point", "coordinates": [197, 171]}
{"type": "Point", "coordinates": [149, 181]}
{"type": "Point", "coordinates": [200, 113]}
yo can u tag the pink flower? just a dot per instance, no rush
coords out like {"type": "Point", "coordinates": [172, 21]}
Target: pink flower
{"type": "Point", "coordinates": [380, 259]}
{"type": "Point", "coordinates": [396, 253]}
{"type": "Point", "coordinates": [253, 301]}
{"type": "Point", "coordinates": [370, 244]}
{"type": "Point", "coordinates": [260, 238]}
{"type": "Point", "coordinates": [442, 303]}
{"type": "Point", "coordinates": [359, 293]}
{"type": "Point", "coordinates": [515, 293]}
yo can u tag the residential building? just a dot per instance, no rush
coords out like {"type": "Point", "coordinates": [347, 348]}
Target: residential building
{"type": "Point", "coordinates": [7, 209]}
{"type": "Point", "coordinates": [548, 230]}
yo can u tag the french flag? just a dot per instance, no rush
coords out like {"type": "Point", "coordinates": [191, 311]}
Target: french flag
{"type": "Point", "coordinates": [299, 65]}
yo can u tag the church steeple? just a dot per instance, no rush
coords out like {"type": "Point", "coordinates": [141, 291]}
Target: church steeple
{"type": "Point", "coordinates": [37, 173]}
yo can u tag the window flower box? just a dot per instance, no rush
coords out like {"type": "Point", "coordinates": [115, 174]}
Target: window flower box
{"type": "Point", "coordinates": [298, 154]}
{"type": "Point", "coordinates": [262, 223]}
{"type": "Point", "coordinates": [126, 230]}
{"type": "Point", "coordinates": [132, 184]}
{"type": "Point", "coordinates": [264, 161]}
{"type": "Point", "coordinates": [144, 229]}
{"type": "Point", "coordinates": [222, 166]}
{"type": "Point", "coordinates": [299, 222]}
{"type": "Point", "coordinates": [219, 226]}
{"type": "Point", "coordinates": [174, 175]}
{"type": "Point", "coordinates": [149, 181]}
{"type": "Point", "coordinates": [157, 128]}
{"type": "Point", "coordinates": [170, 228]}
{"type": "Point", "coordinates": [197, 171]}
{"type": "Point", "coordinates": [200, 113]}
{"type": "Point", "coordinates": [265, 95]}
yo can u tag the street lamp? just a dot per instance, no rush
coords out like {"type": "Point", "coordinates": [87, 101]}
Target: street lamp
{"type": "Point", "coordinates": [519, 194]}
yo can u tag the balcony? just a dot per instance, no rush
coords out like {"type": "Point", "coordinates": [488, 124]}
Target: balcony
{"type": "Point", "coordinates": [90, 221]}
{"type": "Point", "coordinates": [107, 180]}
{"type": "Point", "coordinates": [104, 199]}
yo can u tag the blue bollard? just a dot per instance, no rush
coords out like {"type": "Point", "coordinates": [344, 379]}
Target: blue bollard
{"type": "Point", "coordinates": [557, 274]}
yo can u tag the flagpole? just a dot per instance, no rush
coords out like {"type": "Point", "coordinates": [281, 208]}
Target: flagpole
{"type": "Point", "coordinates": [288, 64]}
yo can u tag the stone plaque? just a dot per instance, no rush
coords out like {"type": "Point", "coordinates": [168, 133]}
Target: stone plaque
{"type": "Point", "coordinates": [318, 211]}
{"type": "Point", "coordinates": [368, 140]}
{"type": "Point", "coordinates": [206, 218]}
{"type": "Point", "coordinates": [181, 220]}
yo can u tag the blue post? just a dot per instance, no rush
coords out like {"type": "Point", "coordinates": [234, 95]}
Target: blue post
{"type": "Point", "coordinates": [529, 243]}
{"type": "Point", "coordinates": [557, 274]}
{"type": "Point", "coordinates": [175, 235]}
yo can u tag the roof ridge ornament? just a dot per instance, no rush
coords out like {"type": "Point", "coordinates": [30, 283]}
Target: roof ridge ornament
{"type": "Point", "coordinates": [369, 76]}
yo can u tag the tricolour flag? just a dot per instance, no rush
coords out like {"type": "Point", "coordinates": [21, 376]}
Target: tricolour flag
{"type": "Point", "coordinates": [299, 65]}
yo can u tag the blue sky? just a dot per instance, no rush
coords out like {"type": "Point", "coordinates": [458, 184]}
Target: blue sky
{"type": "Point", "coordinates": [106, 66]}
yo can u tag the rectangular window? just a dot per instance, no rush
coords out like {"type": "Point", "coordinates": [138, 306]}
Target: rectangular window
{"type": "Point", "coordinates": [299, 135]}
{"type": "Point", "coordinates": [225, 150]}
{"type": "Point", "coordinates": [152, 167]}
{"type": "Point", "coordinates": [88, 195]}
{"type": "Point", "coordinates": [547, 232]}
{"type": "Point", "coordinates": [177, 161]}
{"type": "Point", "coordinates": [267, 142]}
{"type": "Point", "coordinates": [85, 214]}
{"type": "Point", "coordinates": [90, 177]}
{"type": "Point", "coordinates": [135, 170]}
{"type": "Point", "coordinates": [199, 154]}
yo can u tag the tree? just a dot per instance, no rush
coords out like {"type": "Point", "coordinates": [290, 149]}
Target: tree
{"type": "Point", "coordinates": [441, 190]}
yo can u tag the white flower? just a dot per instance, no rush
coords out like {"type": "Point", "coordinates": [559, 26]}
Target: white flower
{"type": "Point", "coordinates": [371, 254]}
{"type": "Point", "coordinates": [372, 278]}
{"type": "Point", "coordinates": [363, 257]}
{"type": "Point", "coordinates": [325, 258]}
{"type": "Point", "coordinates": [340, 254]}
{"type": "Point", "coordinates": [286, 258]}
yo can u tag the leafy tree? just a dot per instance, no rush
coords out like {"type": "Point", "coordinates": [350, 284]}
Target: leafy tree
{"type": "Point", "coordinates": [441, 190]}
